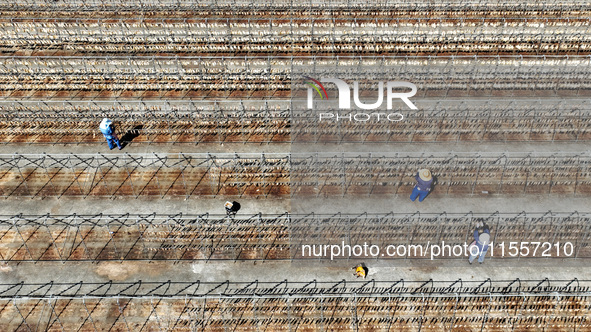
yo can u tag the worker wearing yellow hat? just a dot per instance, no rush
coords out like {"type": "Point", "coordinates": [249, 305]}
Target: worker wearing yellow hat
{"type": "Point", "coordinates": [423, 186]}
{"type": "Point", "coordinates": [360, 271]}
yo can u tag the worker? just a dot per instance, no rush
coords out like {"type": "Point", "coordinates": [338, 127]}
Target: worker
{"type": "Point", "coordinates": [106, 127]}
{"type": "Point", "coordinates": [423, 186]}
{"type": "Point", "coordinates": [360, 271]}
{"type": "Point", "coordinates": [479, 247]}
{"type": "Point", "coordinates": [232, 208]}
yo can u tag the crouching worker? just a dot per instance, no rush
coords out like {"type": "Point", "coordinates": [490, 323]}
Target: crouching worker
{"type": "Point", "coordinates": [423, 186]}
{"type": "Point", "coordinates": [479, 247]}
{"type": "Point", "coordinates": [232, 208]}
{"type": "Point", "coordinates": [106, 128]}
{"type": "Point", "coordinates": [360, 271]}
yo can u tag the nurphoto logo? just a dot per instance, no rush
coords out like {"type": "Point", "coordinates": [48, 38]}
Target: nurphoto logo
{"type": "Point", "coordinates": [344, 99]}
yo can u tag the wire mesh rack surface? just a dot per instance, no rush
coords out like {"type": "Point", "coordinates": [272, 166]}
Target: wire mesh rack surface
{"type": "Point", "coordinates": [295, 174]}
{"type": "Point", "coordinates": [344, 306]}
{"type": "Point", "coordinates": [273, 237]}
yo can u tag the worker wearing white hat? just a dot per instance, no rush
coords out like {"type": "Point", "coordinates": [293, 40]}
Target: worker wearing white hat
{"type": "Point", "coordinates": [479, 247]}
{"type": "Point", "coordinates": [107, 130]}
{"type": "Point", "coordinates": [423, 186]}
{"type": "Point", "coordinates": [232, 208]}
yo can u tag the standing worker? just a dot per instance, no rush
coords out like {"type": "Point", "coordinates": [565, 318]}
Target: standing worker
{"type": "Point", "coordinates": [106, 127]}
{"type": "Point", "coordinates": [423, 186]}
{"type": "Point", "coordinates": [479, 247]}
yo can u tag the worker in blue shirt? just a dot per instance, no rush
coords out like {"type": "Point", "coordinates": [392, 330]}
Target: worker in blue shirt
{"type": "Point", "coordinates": [423, 186]}
{"type": "Point", "coordinates": [479, 247]}
{"type": "Point", "coordinates": [107, 130]}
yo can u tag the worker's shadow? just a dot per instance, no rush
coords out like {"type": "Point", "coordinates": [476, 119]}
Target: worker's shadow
{"type": "Point", "coordinates": [130, 135]}
{"type": "Point", "coordinates": [434, 185]}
